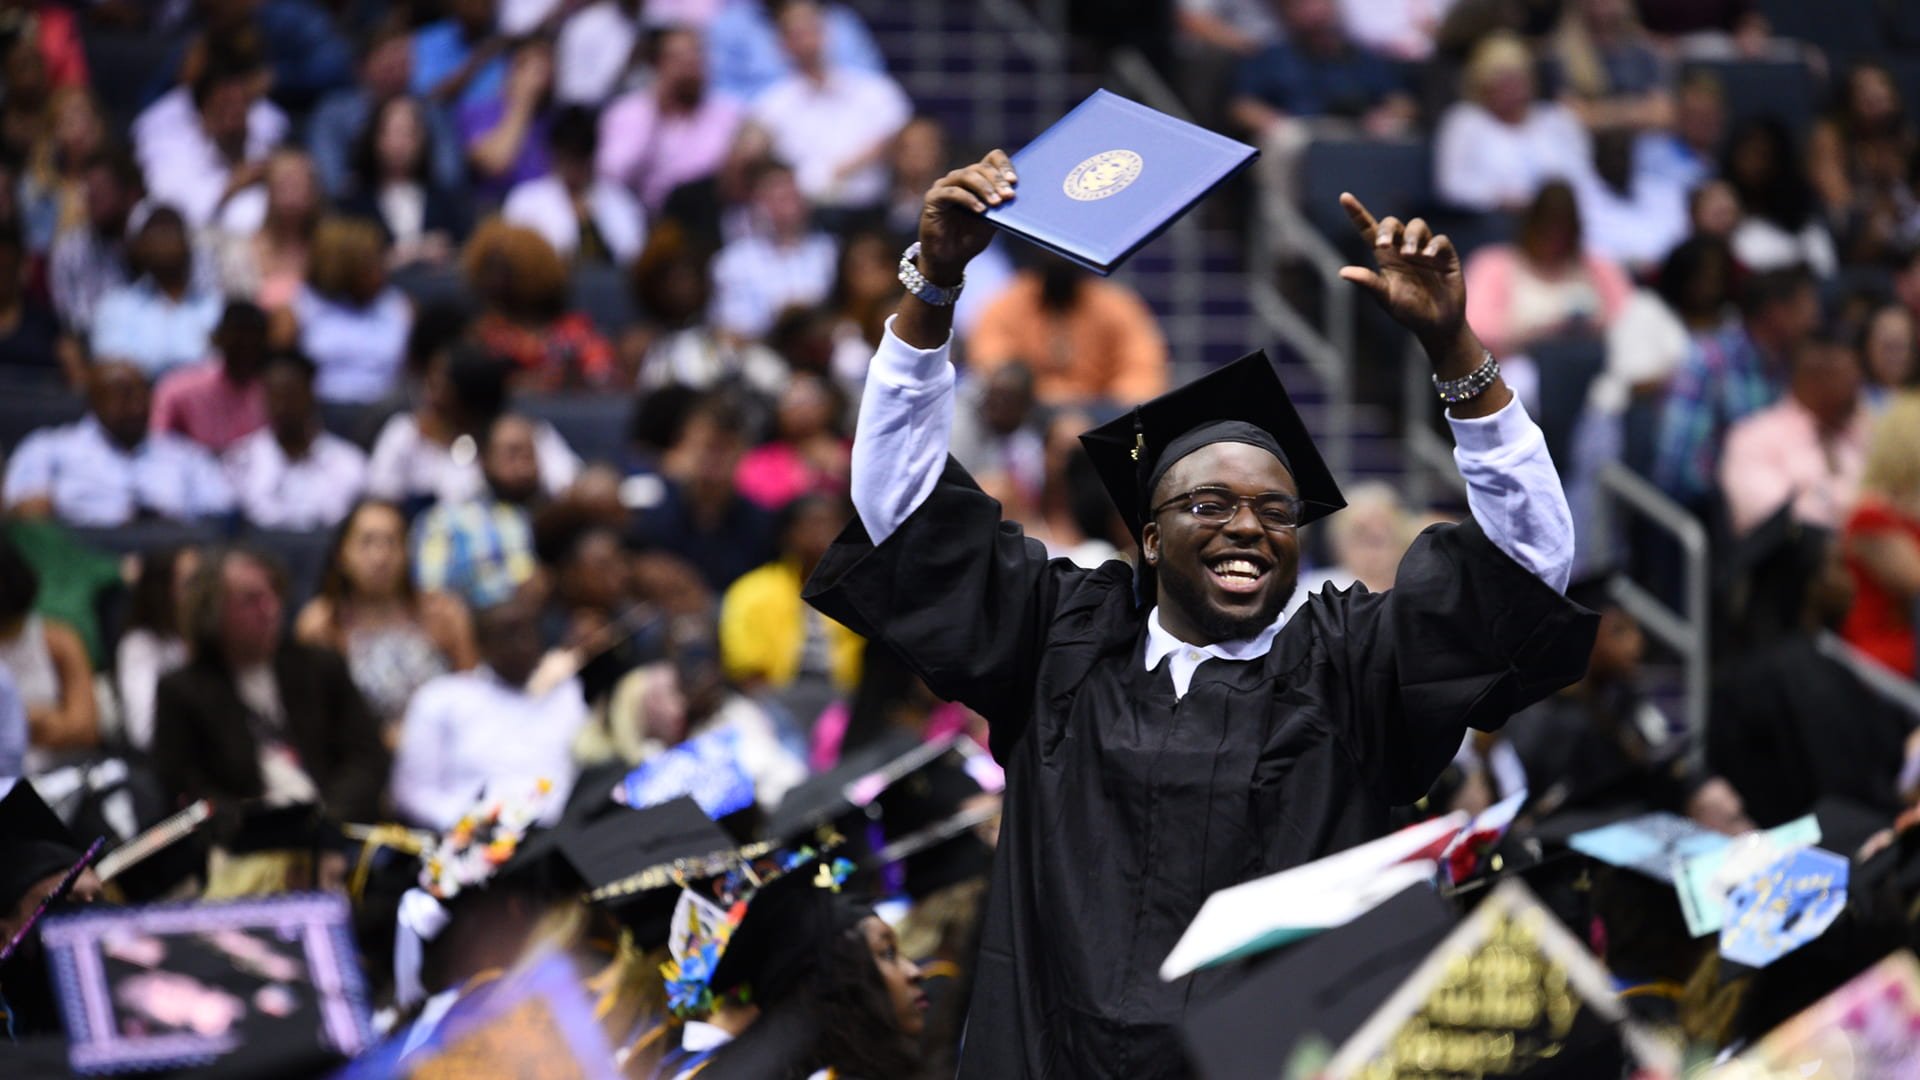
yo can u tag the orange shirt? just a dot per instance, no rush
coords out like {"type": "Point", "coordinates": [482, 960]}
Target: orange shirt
{"type": "Point", "coordinates": [1107, 347]}
{"type": "Point", "coordinates": [1880, 624]}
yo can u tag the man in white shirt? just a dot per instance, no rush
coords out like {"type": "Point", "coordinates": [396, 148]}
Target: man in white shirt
{"type": "Point", "coordinates": [781, 265]}
{"type": "Point", "coordinates": [832, 123]}
{"type": "Point", "coordinates": [587, 218]}
{"type": "Point", "coordinates": [292, 474]}
{"type": "Point", "coordinates": [470, 729]}
{"type": "Point", "coordinates": [199, 145]}
{"type": "Point", "coordinates": [106, 469]}
{"type": "Point", "coordinates": [165, 319]}
{"type": "Point", "coordinates": [594, 51]}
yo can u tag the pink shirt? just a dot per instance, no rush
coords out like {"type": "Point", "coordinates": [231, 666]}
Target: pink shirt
{"type": "Point", "coordinates": [652, 155]}
{"type": "Point", "coordinates": [201, 404]}
{"type": "Point", "coordinates": [1777, 454]}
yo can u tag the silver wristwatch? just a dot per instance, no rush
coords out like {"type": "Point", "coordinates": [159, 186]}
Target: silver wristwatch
{"type": "Point", "coordinates": [917, 283]}
{"type": "Point", "coordinates": [1468, 386]}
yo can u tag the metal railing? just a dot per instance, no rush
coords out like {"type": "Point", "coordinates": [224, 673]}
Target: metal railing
{"type": "Point", "coordinates": [1687, 633]}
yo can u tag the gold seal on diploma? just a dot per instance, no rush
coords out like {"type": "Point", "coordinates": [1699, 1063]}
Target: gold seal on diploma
{"type": "Point", "coordinates": [1106, 173]}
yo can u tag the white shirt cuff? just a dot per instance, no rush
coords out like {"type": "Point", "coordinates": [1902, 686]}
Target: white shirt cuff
{"type": "Point", "coordinates": [1484, 435]}
{"type": "Point", "coordinates": [898, 364]}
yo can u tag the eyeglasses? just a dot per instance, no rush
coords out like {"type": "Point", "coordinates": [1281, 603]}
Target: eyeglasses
{"type": "Point", "coordinates": [1215, 506]}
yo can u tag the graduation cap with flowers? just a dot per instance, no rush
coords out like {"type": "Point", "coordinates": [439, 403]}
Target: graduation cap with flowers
{"type": "Point", "coordinates": [755, 941]}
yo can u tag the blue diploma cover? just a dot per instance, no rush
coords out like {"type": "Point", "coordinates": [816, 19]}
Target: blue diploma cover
{"type": "Point", "coordinates": [1110, 176]}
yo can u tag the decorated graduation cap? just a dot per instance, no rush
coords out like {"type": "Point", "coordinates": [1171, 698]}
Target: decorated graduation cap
{"type": "Point", "coordinates": [634, 862]}
{"type": "Point", "coordinates": [1870, 1025]}
{"type": "Point", "coordinates": [34, 843]}
{"type": "Point", "coordinates": [787, 930]}
{"type": "Point", "coordinates": [1243, 402]}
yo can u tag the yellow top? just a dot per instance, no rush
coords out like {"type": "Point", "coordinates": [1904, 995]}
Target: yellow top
{"type": "Point", "coordinates": [763, 631]}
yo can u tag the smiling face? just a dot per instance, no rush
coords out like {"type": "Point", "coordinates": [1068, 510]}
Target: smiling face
{"type": "Point", "coordinates": [1226, 581]}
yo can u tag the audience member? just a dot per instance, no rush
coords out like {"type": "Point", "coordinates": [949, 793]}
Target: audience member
{"type": "Point", "coordinates": [1633, 210]}
{"type": "Point", "coordinates": [1236, 28]}
{"type": "Point", "coordinates": [674, 131]}
{"type": "Point", "coordinates": [395, 637]}
{"type": "Point", "coordinates": [398, 184]}
{"type": "Point", "coordinates": [1366, 545]}
{"type": "Point", "coordinates": [161, 319]}
{"type": "Point", "coordinates": [1890, 350]}
{"type": "Point", "coordinates": [831, 122]}
{"type": "Point", "coordinates": [481, 548]}
{"type": "Point", "coordinates": [997, 430]}
{"type": "Point", "coordinates": [809, 453]}
{"type": "Point", "coordinates": [773, 644]}
{"type": "Point", "coordinates": [253, 717]}
{"type": "Point", "coordinates": [781, 264]}
{"type": "Point", "coordinates": [678, 345]}
{"type": "Point", "coordinates": [1857, 165]}
{"type": "Point", "coordinates": [505, 133]}
{"type": "Point", "coordinates": [703, 518]}
{"type": "Point", "coordinates": [1546, 285]}
{"type": "Point", "coordinates": [457, 60]}
{"type": "Point", "coordinates": [687, 696]}
{"type": "Point", "coordinates": [202, 145]}
{"type": "Point", "coordinates": [1729, 375]}
{"type": "Point", "coordinates": [1882, 541]}
{"type": "Point", "coordinates": [152, 644]}
{"type": "Point", "coordinates": [348, 119]}
{"type": "Point", "coordinates": [218, 402]}
{"type": "Point", "coordinates": [468, 730]}
{"type": "Point", "coordinates": [293, 474]}
{"type": "Point", "coordinates": [587, 219]}
{"type": "Point", "coordinates": [521, 283]}
{"type": "Point", "coordinates": [53, 181]}
{"type": "Point", "coordinates": [90, 258]}
{"type": "Point", "coordinates": [304, 54]}
{"type": "Point", "coordinates": [51, 673]}
{"type": "Point", "coordinates": [107, 469]}
{"type": "Point", "coordinates": [1781, 227]}
{"type": "Point", "coordinates": [595, 51]}
{"type": "Point", "coordinates": [747, 54]}
{"type": "Point", "coordinates": [1498, 145]}
{"type": "Point", "coordinates": [353, 323]}
{"type": "Point", "coordinates": [864, 289]}
{"type": "Point", "coordinates": [1316, 73]}
{"type": "Point", "coordinates": [1610, 71]}
{"type": "Point", "coordinates": [594, 621]}
{"type": "Point", "coordinates": [1689, 154]}
{"type": "Point", "coordinates": [31, 341]}
{"type": "Point", "coordinates": [1807, 450]}
{"type": "Point", "coordinates": [430, 453]}
{"type": "Point", "coordinates": [1086, 340]}
{"type": "Point", "coordinates": [266, 236]}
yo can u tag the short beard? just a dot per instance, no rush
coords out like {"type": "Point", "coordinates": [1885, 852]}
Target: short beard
{"type": "Point", "coordinates": [1189, 595]}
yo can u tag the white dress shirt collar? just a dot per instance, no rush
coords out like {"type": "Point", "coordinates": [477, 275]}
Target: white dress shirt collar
{"type": "Point", "coordinates": [1187, 658]}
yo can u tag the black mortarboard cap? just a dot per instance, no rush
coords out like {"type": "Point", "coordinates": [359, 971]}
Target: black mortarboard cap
{"type": "Point", "coordinates": [300, 827]}
{"type": "Point", "coordinates": [623, 847]}
{"type": "Point", "coordinates": [1127, 449]}
{"type": "Point", "coordinates": [821, 799]}
{"type": "Point", "coordinates": [34, 843]}
{"type": "Point", "coordinates": [1324, 988]}
{"type": "Point", "coordinates": [788, 930]}
{"type": "Point", "coordinates": [920, 811]}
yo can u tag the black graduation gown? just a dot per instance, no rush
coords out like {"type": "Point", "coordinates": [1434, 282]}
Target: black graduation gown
{"type": "Point", "coordinates": [1125, 809]}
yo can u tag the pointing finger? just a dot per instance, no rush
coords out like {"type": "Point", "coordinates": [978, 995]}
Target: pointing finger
{"type": "Point", "coordinates": [1357, 213]}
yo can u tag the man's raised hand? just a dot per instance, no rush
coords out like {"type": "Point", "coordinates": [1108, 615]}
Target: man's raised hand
{"type": "Point", "coordinates": [1418, 281]}
{"type": "Point", "coordinates": [952, 231]}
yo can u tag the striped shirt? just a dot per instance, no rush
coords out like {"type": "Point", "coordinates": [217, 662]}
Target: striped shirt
{"type": "Point", "coordinates": [481, 549]}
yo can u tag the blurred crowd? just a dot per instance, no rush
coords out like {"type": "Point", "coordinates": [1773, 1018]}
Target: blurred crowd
{"type": "Point", "coordinates": [441, 393]}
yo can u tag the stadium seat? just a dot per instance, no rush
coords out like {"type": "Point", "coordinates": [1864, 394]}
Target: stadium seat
{"type": "Point", "coordinates": [356, 423]}
{"type": "Point", "coordinates": [1381, 173]}
{"type": "Point", "coordinates": [1842, 28]}
{"type": "Point", "coordinates": [1783, 89]}
{"type": "Point", "coordinates": [139, 536]}
{"type": "Point", "coordinates": [1567, 369]}
{"type": "Point", "coordinates": [595, 425]}
{"type": "Point", "coordinates": [602, 293]}
{"type": "Point", "coordinates": [24, 408]}
{"type": "Point", "coordinates": [302, 554]}
{"type": "Point", "coordinates": [123, 67]}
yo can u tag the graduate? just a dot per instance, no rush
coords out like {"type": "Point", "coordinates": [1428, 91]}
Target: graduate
{"type": "Point", "coordinates": [1167, 736]}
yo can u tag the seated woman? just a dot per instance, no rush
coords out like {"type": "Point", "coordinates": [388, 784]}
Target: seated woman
{"type": "Point", "coordinates": [1497, 146]}
{"type": "Point", "coordinates": [830, 986]}
{"type": "Point", "coordinates": [394, 638]}
{"type": "Point", "coordinates": [353, 324]}
{"type": "Point", "coordinates": [1882, 541]}
{"type": "Point", "coordinates": [51, 673]}
{"type": "Point", "coordinates": [521, 283]}
{"type": "Point", "coordinates": [1545, 285]}
{"type": "Point", "coordinates": [809, 453]}
{"type": "Point", "coordinates": [393, 174]}
{"type": "Point", "coordinates": [151, 646]}
{"type": "Point", "coordinates": [1782, 226]}
{"type": "Point", "coordinates": [265, 238]}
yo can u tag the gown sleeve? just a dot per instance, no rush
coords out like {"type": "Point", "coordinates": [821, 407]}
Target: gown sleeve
{"type": "Point", "coordinates": [960, 596]}
{"type": "Point", "coordinates": [1465, 638]}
